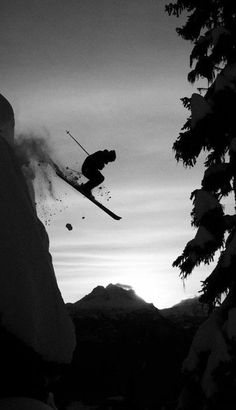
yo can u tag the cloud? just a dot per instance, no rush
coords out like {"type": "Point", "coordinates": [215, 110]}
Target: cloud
{"type": "Point", "coordinates": [123, 286]}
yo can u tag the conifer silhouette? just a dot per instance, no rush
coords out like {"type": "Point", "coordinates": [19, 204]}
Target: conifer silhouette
{"type": "Point", "coordinates": [211, 129]}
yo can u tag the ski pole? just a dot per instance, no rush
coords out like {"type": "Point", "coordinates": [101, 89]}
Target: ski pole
{"type": "Point", "coordinates": [68, 132]}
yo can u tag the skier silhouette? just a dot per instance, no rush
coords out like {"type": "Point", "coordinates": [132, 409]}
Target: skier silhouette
{"type": "Point", "coordinates": [92, 166]}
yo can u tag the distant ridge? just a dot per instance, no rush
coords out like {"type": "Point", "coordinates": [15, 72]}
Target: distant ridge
{"type": "Point", "coordinates": [111, 299]}
{"type": "Point", "coordinates": [189, 313]}
{"type": "Point", "coordinates": [120, 300]}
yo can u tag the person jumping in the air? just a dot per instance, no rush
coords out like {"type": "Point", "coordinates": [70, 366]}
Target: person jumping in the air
{"type": "Point", "coordinates": [92, 166]}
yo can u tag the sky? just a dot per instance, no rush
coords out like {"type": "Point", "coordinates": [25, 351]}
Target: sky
{"type": "Point", "coordinates": [112, 72]}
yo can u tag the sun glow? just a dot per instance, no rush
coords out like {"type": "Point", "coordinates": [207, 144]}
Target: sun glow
{"type": "Point", "coordinates": [146, 290]}
{"type": "Point", "coordinates": [141, 275]}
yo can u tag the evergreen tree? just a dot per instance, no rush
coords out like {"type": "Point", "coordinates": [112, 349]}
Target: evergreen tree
{"type": "Point", "coordinates": [211, 127]}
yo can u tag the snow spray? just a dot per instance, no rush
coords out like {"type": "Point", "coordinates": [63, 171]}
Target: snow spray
{"type": "Point", "coordinates": [34, 156]}
{"type": "Point", "coordinates": [33, 153]}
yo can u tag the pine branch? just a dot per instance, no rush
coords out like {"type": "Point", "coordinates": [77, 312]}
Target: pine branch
{"type": "Point", "coordinates": [187, 148]}
{"type": "Point", "coordinates": [186, 102]}
{"type": "Point", "coordinates": [175, 9]}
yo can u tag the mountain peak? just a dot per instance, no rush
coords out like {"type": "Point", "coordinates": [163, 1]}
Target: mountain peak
{"type": "Point", "coordinates": [112, 299]}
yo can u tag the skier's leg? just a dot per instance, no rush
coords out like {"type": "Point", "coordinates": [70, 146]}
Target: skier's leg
{"type": "Point", "coordinates": [95, 178]}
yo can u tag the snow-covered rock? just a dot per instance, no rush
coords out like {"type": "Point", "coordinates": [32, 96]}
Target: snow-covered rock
{"type": "Point", "coordinates": [31, 305]}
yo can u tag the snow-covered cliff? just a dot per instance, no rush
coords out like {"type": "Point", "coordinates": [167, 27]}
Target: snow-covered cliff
{"type": "Point", "coordinates": [31, 305]}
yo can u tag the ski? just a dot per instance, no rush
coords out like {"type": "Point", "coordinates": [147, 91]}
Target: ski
{"type": "Point", "coordinates": [78, 188]}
